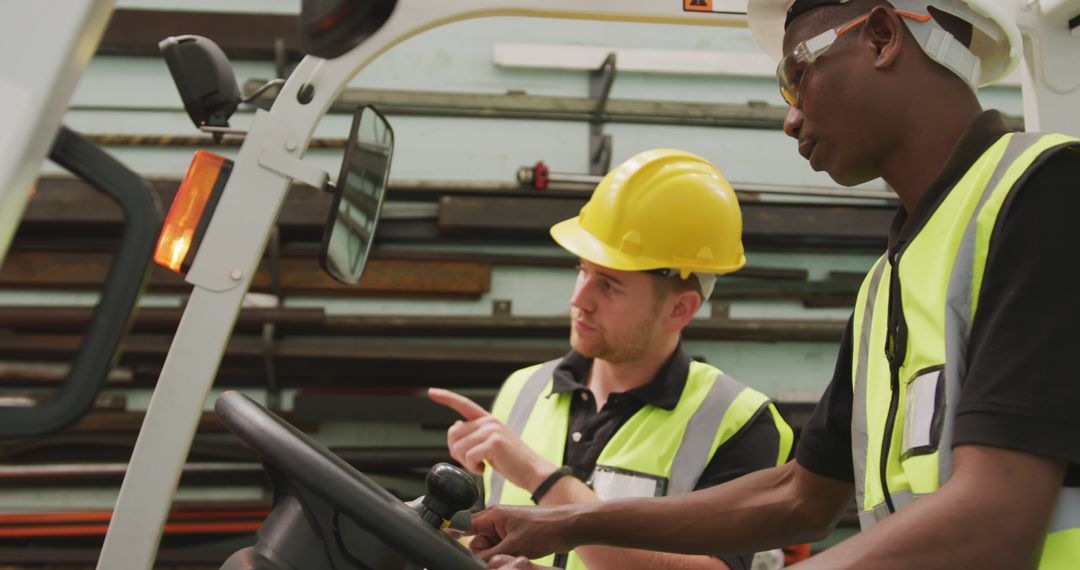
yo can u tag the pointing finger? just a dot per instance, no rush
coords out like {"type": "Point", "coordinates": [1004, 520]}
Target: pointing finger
{"type": "Point", "coordinates": [468, 409]}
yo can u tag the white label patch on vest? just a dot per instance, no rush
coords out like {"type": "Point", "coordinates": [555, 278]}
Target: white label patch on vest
{"type": "Point", "coordinates": [614, 483]}
{"type": "Point", "coordinates": [922, 414]}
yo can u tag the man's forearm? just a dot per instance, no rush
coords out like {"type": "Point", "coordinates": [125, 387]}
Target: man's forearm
{"type": "Point", "coordinates": [615, 558]}
{"type": "Point", "coordinates": [762, 510]}
{"type": "Point", "coordinates": [572, 491]}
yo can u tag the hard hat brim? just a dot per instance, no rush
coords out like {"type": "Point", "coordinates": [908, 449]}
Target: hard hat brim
{"type": "Point", "coordinates": [766, 21]}
{"type": "Point", "coordinates": [573, 238]}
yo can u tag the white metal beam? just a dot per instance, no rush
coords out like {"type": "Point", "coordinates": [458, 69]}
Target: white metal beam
{"type": "Point", "coordinates": [634, 60]}
{"type": "Point", "coordinates": [1050, 74]}
{"type": "Point", "coordinates": [37, 78]}
{"type": "Point", "coordinates": [693, 62]}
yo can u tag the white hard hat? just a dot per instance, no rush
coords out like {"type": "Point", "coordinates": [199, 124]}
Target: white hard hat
{"type": "Point", "coordinates": [995, 44]}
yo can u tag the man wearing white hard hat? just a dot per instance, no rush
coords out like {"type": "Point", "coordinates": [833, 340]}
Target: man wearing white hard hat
{"type": "Point", "coordinates": [627, 412]}
{"type": "Point", "coordinates": [952, 415]}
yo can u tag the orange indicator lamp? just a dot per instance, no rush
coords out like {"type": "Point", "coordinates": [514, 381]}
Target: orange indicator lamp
{"type": "Point", "coordinates": [191, 210]}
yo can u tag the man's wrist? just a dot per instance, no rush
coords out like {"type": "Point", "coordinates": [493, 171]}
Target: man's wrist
{"type": "Point", "coordinates": [542, 489]}
{"type": "Point", "coordinates": [536, 475]}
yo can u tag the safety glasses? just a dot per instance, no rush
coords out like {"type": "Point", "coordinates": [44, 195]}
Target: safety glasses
{"type": "Point", "coordinates": [790, 70]}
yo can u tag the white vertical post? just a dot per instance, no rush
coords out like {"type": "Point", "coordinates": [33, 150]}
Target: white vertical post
{"type": "Point", "coordinates": [37, 78]}
{"type": "Point", "coordinates": [1050, 77]}
{"type": "Point", "coordinates": [222, 272]}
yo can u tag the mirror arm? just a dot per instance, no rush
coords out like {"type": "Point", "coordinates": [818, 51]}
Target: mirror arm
{"type": "Point", "coordinates": [288, 165]}
{"type": "Point", "coordinates": [262, 89]}
{"type": "Point", "coordinates": [220, 132]}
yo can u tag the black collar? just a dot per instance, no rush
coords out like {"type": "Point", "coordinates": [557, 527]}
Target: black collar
{"type": "Point", "coordinates": [984, 131]}
{"type": "Point", "coordinates": [663, 391]}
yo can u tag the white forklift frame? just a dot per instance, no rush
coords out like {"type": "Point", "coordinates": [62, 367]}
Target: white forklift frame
{"type": "Point", "coordinates": [34, 93]}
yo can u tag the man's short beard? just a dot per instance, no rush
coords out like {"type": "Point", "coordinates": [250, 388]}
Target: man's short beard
{"type": "Point", "coordinates": [629, 349]}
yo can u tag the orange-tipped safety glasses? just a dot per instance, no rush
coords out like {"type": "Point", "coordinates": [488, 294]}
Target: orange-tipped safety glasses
{"type": "Point", "coordinates": [790, 70]}
{"type": "Point", "coordinates": [191, 210]}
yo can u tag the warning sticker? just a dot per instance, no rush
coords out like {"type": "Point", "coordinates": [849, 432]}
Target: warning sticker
{"type": "Point", "coordinates": [715, 6]}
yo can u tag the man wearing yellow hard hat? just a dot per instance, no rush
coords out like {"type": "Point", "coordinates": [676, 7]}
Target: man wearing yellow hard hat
{"type": "Point", "coordinates": [952, 417]}
{"type": "Point", "coordinates": [627, 411]}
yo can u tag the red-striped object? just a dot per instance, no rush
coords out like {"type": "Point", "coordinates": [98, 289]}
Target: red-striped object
{"type": "Point", "coordinates": [96, 523]}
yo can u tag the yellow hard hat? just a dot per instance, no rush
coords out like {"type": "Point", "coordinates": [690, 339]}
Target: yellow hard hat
{"type": "Point", "coordinates": [662, 209]}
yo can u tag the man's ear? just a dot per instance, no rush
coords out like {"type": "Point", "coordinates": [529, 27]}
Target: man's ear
{"type": "Point", "coordinates": [685, 307]}
{"type": "Point", "coordinates": [885, 31]}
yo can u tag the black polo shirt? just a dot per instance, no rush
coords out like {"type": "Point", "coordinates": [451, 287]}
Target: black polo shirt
{"type": "Point", "coordinates": [1022, 389]}
{"type": "Point", "coordinates": [754, 447]}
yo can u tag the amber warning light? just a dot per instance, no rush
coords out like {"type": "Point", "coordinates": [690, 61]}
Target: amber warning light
{"type": "Point", "coordinates": [191, 210]}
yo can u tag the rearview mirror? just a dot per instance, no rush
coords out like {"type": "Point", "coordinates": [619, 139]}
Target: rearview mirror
{"type": "Point", "coordinates": [358, 197]}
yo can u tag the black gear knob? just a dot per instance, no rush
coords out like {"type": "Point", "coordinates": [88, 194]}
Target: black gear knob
{"type": "Point", "coordinates": [449, 490]}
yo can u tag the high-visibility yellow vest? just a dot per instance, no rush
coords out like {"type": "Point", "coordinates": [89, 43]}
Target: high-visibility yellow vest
{"type": "Point", "coordinates": [903, 411]}
{"type": "Point", "coordinates": [655, 452]}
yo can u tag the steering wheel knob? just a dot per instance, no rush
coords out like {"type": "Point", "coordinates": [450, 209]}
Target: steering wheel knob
{"type": "Point", "coordinates": [449, 490]}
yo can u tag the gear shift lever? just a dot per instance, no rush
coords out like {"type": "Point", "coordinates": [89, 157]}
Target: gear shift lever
{"type": "Point", "coordinates": [449, 490]}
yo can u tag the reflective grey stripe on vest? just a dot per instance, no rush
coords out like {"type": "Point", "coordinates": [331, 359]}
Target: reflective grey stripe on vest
{"type": "Point", "coordinates": [519, 416]}
{"type": "Point", "coordinates": [858, 401]}
{"type": "Point", "coordinates": [1067, 510]}
{"type": "Point", "coordinates": [693, 454]}
{"type": "Point", "coordinates": [958, 304]}
{"type": "Point", "coordinates": [901, 499]}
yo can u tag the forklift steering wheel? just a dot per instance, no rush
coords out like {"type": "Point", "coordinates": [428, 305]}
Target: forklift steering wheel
{"type": "Point", "coordinates": [314, 469]}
